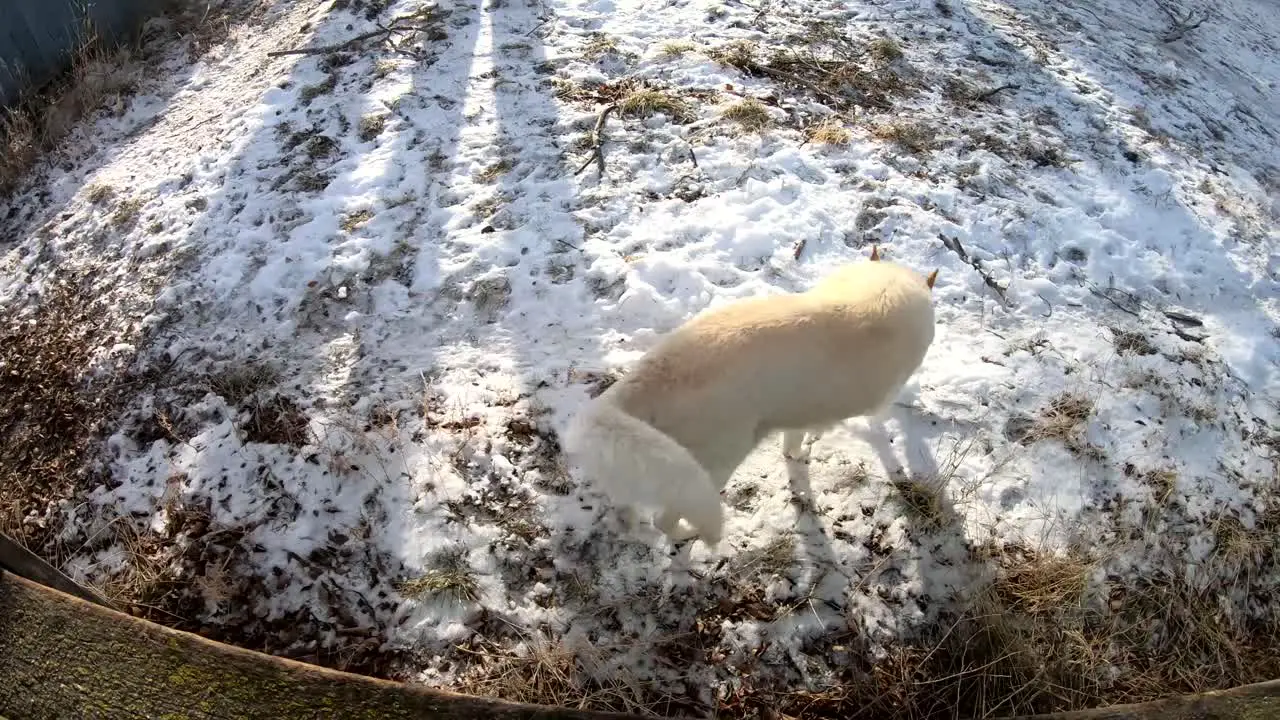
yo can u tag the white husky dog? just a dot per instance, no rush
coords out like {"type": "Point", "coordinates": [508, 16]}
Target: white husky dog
{"type": "Point", "coordinates": [672, 431]}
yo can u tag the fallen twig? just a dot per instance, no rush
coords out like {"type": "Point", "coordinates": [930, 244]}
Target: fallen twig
{"type": "Point", "coordinates": [988, 94]}
{"type": "Point", "coordinates": [597, 141]}
{"type": "Point", "coordinates": [401, 23]}
{"type": "Point", "coordinates": [1183, 318]}
{"type": "Point", "coordinates": [1181, 23]}
{"type": "Point", "coordinates": [1046, 302]}
{"type": "Point", "coordinates": [1107, 296]}
{"type": "Point", "coordinates": [781, 74]}
{"type": "Point", "coordinates": [334, 47]}
{"type": "Point", "coordinates": [953, 244]}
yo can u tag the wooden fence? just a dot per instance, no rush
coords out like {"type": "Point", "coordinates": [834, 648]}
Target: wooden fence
{"type": "Point", "coordinates": [39, 38]}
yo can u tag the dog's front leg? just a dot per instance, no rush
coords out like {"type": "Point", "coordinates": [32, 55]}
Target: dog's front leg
{"type": "Point", "coordinates": [797, 444]}
{"type": "Point", "coordinates": [630, 518]}
{"type": "Point", "coordinates": [669, 523]}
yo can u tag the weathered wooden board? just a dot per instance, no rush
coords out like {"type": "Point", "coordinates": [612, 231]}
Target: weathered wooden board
{"type": "Point", "coordinates": [1259, 701]}
{"type": "Point", "coordinates": [64, 657]}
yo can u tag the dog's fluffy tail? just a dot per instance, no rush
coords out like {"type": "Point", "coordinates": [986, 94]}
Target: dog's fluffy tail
{"type": "Point", "coordinates": [638, 464]}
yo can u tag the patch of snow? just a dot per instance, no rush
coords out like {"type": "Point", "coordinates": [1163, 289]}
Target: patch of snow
{"type": "Point", "coordinates": [436, 347]}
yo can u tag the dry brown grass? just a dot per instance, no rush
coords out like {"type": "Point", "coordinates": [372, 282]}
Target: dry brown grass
{"type": "Point", "coordinates": [830, 132]}
{"type": "Point", "coordinates": [53, 411]}
{"type": "Point", "coordinates": [1064, 418]}
{"type": "Point", "coordinates": [492, 172]}
{"type": "Point", "coordinates": [772, 559]}
{"type": "Point", "coordinates": [1131, 342]}
{"type": "Point", "coordinates": [750, 114]}
{"type": "Point", "coordinates": [598, 45]}
{"type": "Point", "coordinates": [44, 117]}
{"type": "Point", "coordinates": [917, 137]}
{"type": "Point", "coordinates": [548, 673]}
{"type": "Point", "coordinates": [828, 67]}
{"type": "Point", "coordinates": [352, 221]}
{"type": "Point", "coordinates": [99, 193]}
{"type": "Point", "coordinates": [238, 382]}
{"type": "Point", "coordinates": [676, 48]}
{"type": "Point", "coordinates": [276, 420]}
{"type": "Point", "coordinates": [885, 50]}
{"type": "Point", "coordinates": [454, 583]}
{"type": "Point", "coordinates": [924, 499]}
{"type": "Point", "coordinates": [370, 127]}
{"type": "Point", "coordinates": [644, 102]}
{"type": "Point", "coordinates": [1042, 636]}
{"type": "Point", "coordinates": [126, 213]}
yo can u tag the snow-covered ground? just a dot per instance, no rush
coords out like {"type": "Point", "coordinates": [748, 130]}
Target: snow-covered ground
{"type": "Point", "coordinates": [378, 286]}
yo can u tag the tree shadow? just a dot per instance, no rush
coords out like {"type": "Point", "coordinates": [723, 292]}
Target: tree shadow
{"type": "Point", "coordinates": [295, 248]}
{"type": "Point", "coordinates": [1123, 209]}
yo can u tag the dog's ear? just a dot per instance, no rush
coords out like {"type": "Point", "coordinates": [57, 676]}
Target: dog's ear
{"type": "Point", "coordinates": [875, 253]}
{"type": "Point", "coordinates": [933, 276]}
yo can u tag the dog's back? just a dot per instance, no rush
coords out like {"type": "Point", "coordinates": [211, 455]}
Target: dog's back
{"type": "Point", "coordinates": [724, 380]}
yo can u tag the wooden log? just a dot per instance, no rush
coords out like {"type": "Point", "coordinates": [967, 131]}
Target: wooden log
{"type": "Point", "coordinates": [1258, 701]}
{"type": "Point", "coordinates": [29, 565]}
{"type": "Point", "coordinates": [64, 657]}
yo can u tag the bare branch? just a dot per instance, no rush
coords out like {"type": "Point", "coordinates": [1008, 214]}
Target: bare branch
{"type": "Point", "coordinates": [413, 22]}
{"type": "Point", "coordinates": [1181, 21]}
{"type": "Point", "coordinates": [597, 141]}
{"type": "Point", "coordinates": [953, 244]}
{"type": "Point", "coordinates": [988, 94]}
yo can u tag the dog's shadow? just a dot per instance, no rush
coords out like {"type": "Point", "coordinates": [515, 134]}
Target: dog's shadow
{"type": "Point", "coordinates": [935, 526]}
{"type": "Point", "coordinates": [815, 545]}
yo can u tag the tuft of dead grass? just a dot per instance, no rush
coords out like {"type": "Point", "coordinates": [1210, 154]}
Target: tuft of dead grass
{"type": "Point", "coordinates": [885, 50]}
{"type": "Point", "coordinates": [924, 499]}
{"type": "Point", "coordinates": [277, 420]}
{"type": "Point", "coordinates": [915, 136]}
{"type": "Point", "coordinates": [677, 48]}
{"type": "Point", "coordinates": [126, 213]}
{"type": "Point", "coordinates": [772, 559]}
{"type": "Point", "coordinates": [598, 45]}
{"type": "Point", "coordinates": [830, 132]}
{"type": "Point", "coordinates": [1131, 342]}
{"type": "Point", "coordinates": [750, 114]}
{"type": "Point", "coordinates": [453, 583]}
{"type": "Point", "coordinates": [99, 193]}
{"type": "Point", "coordinates": [1063, 418]}
{"type": "Point", "coordinates": [238, 382]}
{"type": "Point", "coordinates": [645, 102]}
{"type": "Point", "coordinates": [496, 170]}
{"type": "Point", "coordinates": [827, 66]}
{"type": "Point", "coordinates": [352, 221]}
{"type": "Point", "coordinates": [370, 127]}
{"type": "Point", "coordinates": [1044, 634]}
{"type": "Point", "coordinates": [547, 672]}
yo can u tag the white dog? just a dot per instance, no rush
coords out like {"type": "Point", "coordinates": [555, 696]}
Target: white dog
{"type": "Point", "coordinates": [673, 430]}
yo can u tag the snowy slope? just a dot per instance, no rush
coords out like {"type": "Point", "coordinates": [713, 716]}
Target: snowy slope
{"type": "Point", "coordinates": [401, 236]}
